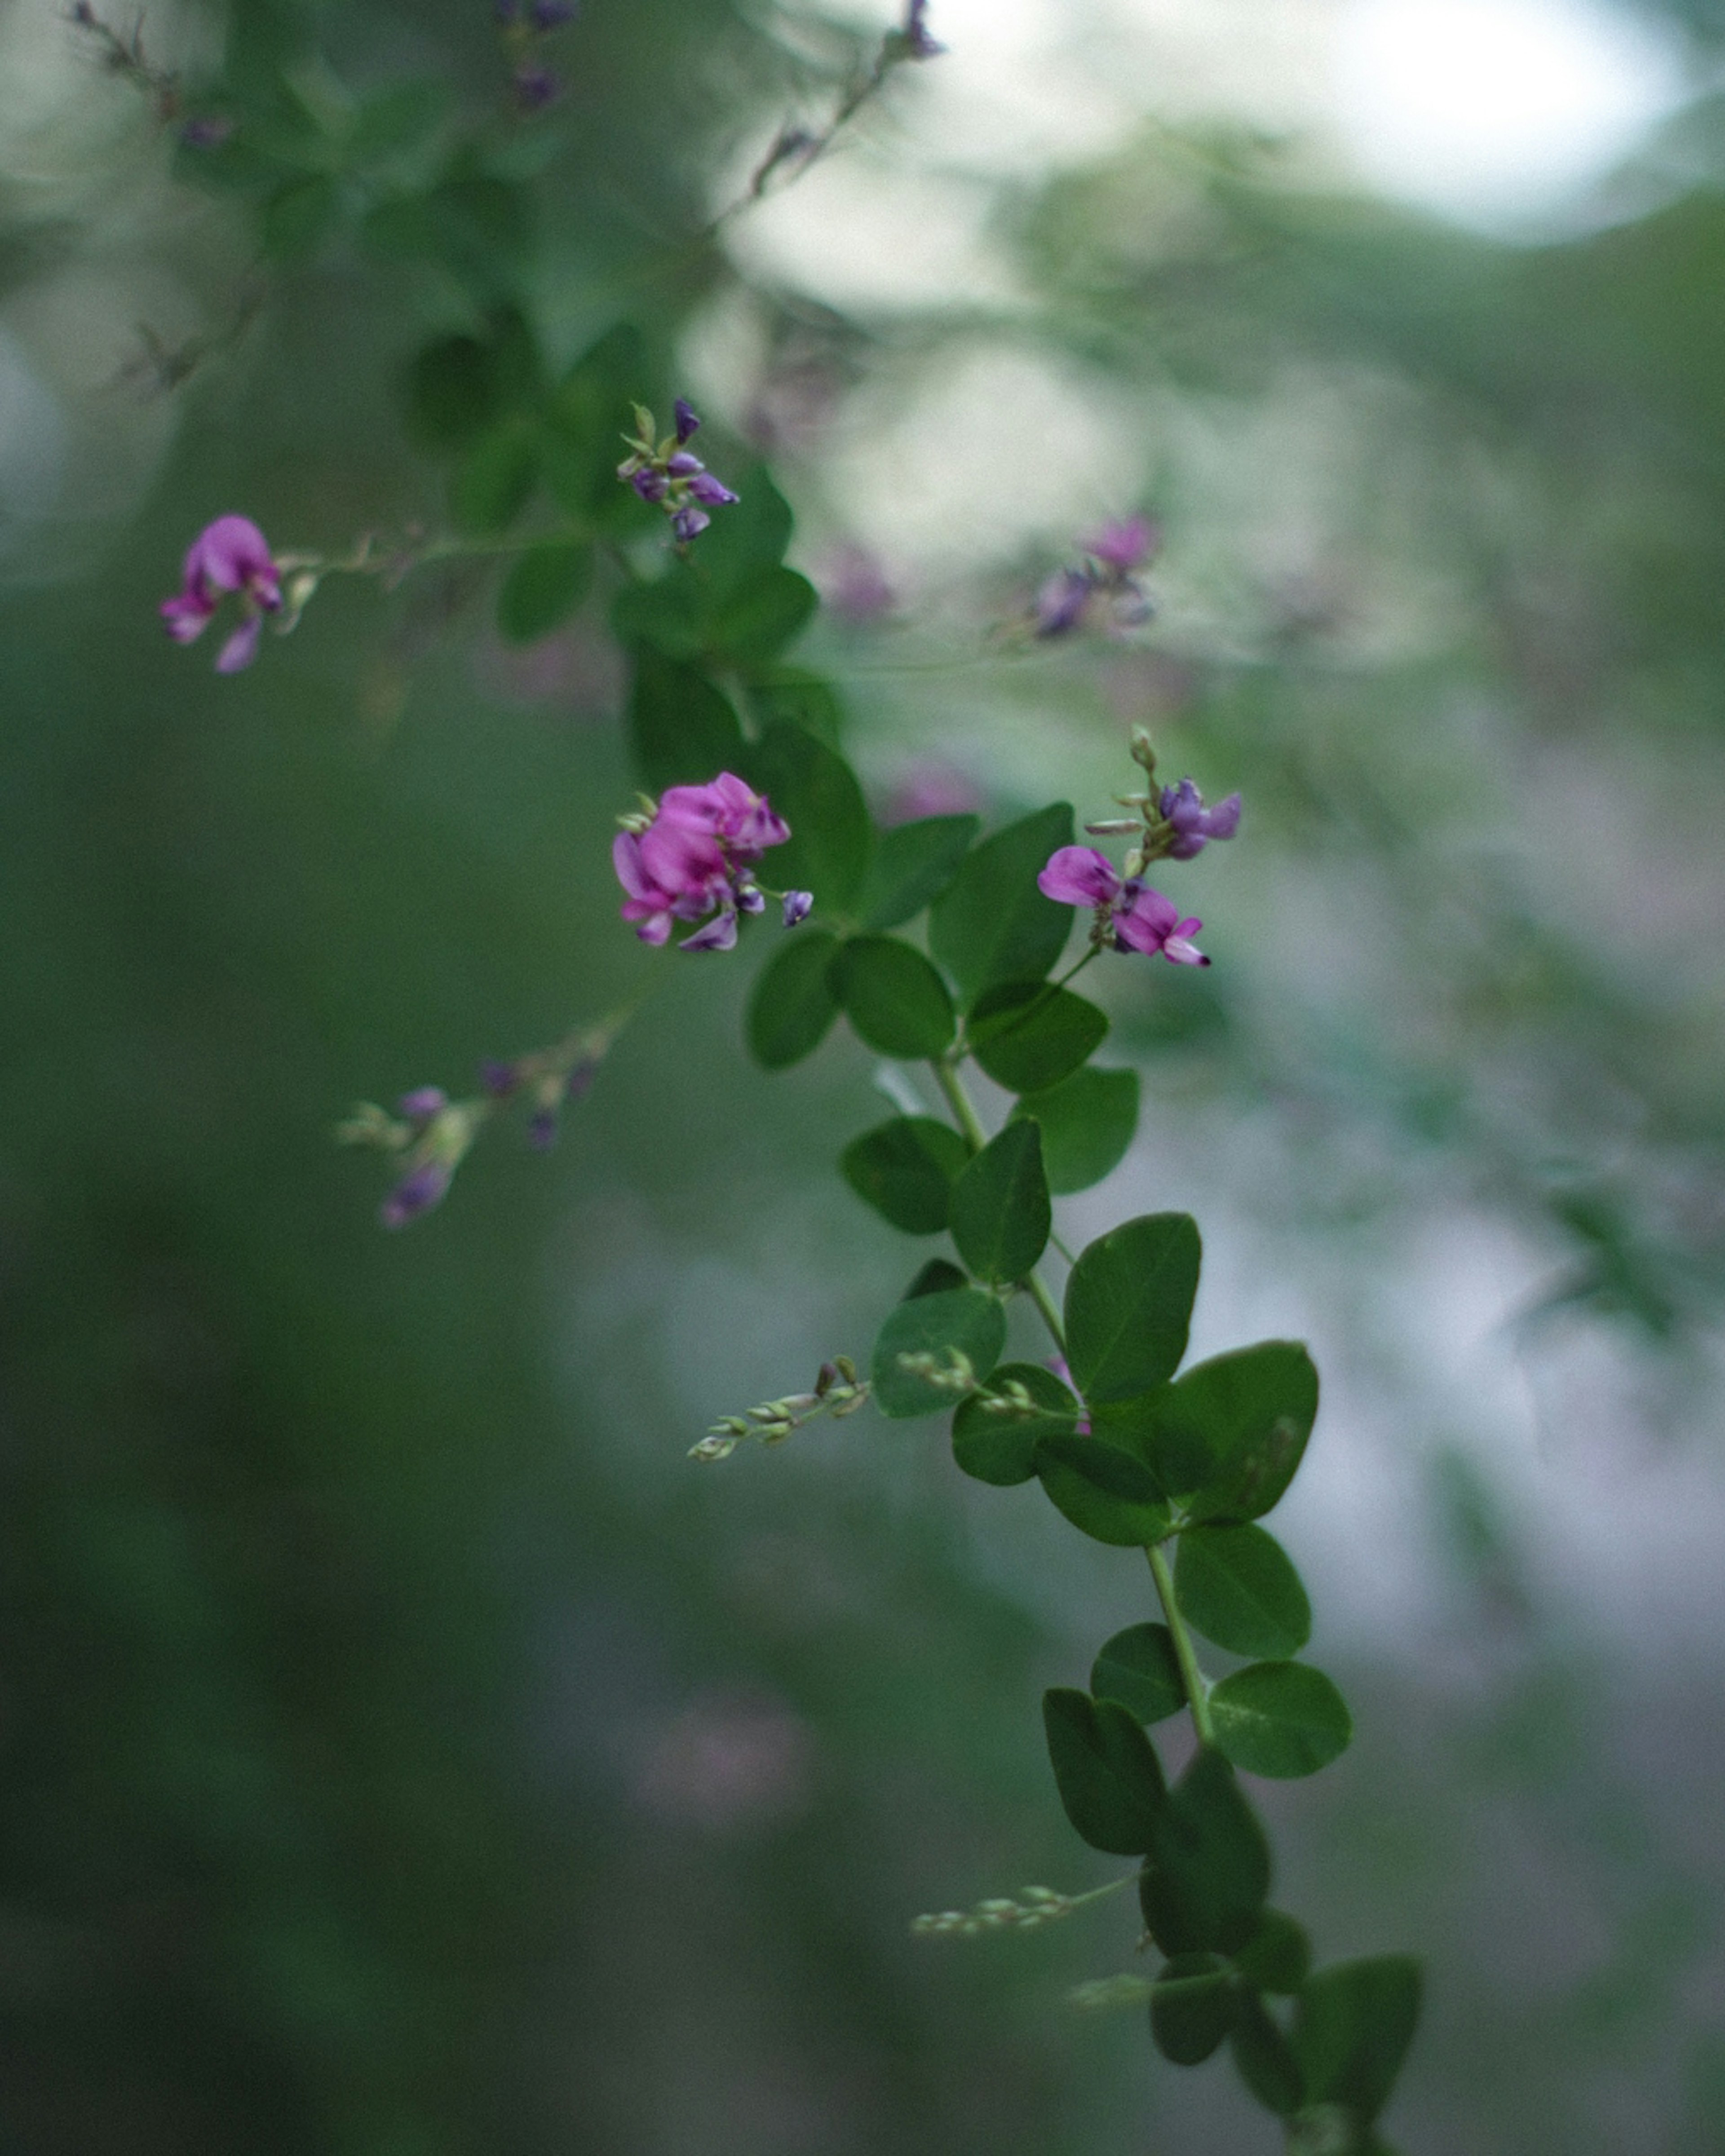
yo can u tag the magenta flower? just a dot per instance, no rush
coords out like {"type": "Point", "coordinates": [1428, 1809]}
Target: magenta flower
{"type": "Point", "coordinates": [1195, 826]}
{"type": "Point", "coordinates": [230, 555]}
{"type": "Point", "coordinates": [1125, 545]}
{"type": "Point", "coordinates": [1129, 915]}
{"type": "Point", "coordinates": [690, 859]}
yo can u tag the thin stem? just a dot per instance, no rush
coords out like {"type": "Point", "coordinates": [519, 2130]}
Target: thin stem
{"type": "Point", "coordinates": [1051, 1314]}
{"type": "Point", "coordinates": [1197, 1691]}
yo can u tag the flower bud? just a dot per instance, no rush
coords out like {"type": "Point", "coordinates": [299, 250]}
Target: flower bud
{"type": "Point", "coordinates": [798, 905]}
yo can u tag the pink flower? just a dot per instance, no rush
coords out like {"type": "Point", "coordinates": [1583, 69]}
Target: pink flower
{"type": "Point", "coordinates": [230, 555]}
{"type": "Point", "coordinates": [690, 859]}
{"type": "Point", "coordinates": [1128, 914]}
{"type": "Point", "coordinates": [743, 820]}
{"type": "Point", "coordinates": [1125, 545]}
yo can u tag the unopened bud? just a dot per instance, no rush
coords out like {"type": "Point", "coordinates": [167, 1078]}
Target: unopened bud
{"type": "Point", "coordinates": [1114, 827]}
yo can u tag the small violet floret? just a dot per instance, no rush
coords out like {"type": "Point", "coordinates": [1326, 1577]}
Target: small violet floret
{"type": "Point", "coordinates": [230, 556]}
{"type": "Point", "coordinates": [1129, 915]}
{"type": "Point", "coordinates": [690, 857]}
{"type": "Point", "coordinates": [1108, 575]}
{"type": "Point", "coordinates": [668, 474]}
{"type": "Point", "coordinates": [1194, 824]}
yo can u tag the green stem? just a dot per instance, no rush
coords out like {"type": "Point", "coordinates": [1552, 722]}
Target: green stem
{"type": "Point", "coordinates": [1197, 1691]}
{"type": "Point", "coordinates": [964, 1114]}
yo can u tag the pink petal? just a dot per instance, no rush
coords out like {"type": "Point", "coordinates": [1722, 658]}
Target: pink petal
{"type": "Point", "coordinates": [680, 858]}
{"type": "Point", "coordinates": [1079, 875]}
{"type": "Point", "coordinates": [229, 555]}
{"type": "Point", "coordinates": [1148, 922]}
{"type": "Point", "coordinates": [626, 860]}
{"type": "Point", "coordinates": [237, 653]}
{"type": "Point", "coordinates": [188, 615]}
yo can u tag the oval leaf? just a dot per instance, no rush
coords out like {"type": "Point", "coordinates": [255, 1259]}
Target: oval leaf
{"type": "Point", "coordinates": [1278, 1956]}
{"type": "Point", "coordinates": [1265, 2059]}
{"type": "Point", "coordinates": [913, 864]}
{"type": "Point", "coordinates": [1087, 1122]}
{"type": "Point", "coordinates": [1107, 1494]}
{"type": "Point", "coordinates": [814, 788]}
{"type": "Point", "coordinates": [1129, 1305]}
{"type": "Point", "coordinates": [543, 589]}
{"type": "Point", "coordinates": [1228, 1436]}
{"type": "Point", "coordinates": [906, 1169]}
{"type": "Point", "coordinates": [762, 616]}
{"type": "Point", "coordinates": [681, 728]}
{"type": "Point", "coordinates": [1355, 2021]}
{"type": "Point", "coordinates": [1208, 1875]}
{"type": "Point", "coordinates": [893, 996]}
{"type": "Point", "coordinates": [992, 923]}
{"type": "Point", "coordinates": [1029, 1034]}
{"type": "Point", "coordinates": [935, 1278]}
{"type": "Point", "coordinates": [792, 1006]}
{"type": "Point", "coordinates": [1281, 1720]}
{"type": "Point", "coordinates": [1106, 1771]}
{"type": "Point", "coordinates": [492, 482]}
{"type": "Point", "coordinates": [1239, 1586]}
{"type": "Point", "coordinates": [1000, 1213]}
{"type": "Point", "coordinates": [999, 1446]}
{"type": "Point", "coordinates": [1192, 2008]}
{"type": "Point", "coordinates": [1139, 1668]}
{"type": "Point", "coordinates": [964, 1320]}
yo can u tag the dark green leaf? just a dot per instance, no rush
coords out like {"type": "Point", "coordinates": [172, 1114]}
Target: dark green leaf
{"type": "Point", "coordinates": [452, 392]}
{"type": "Point", "coordinates": [812, 703]}
{"type": "Point", "coordinates": [492, 482]}
{"type": "Point", "coordinates": [1106, 1771]}
{"type": "Point", "coordinates": [1087, 1123]}
{"type": "Point", "coordinates": [1238, 1586]}
{"type": "Point", "coordinates": [1265, 2059]}
{"type": "Point", "coordinates": [1027, 1035]}
{"type": "Point", "coordinates": [1277, 1957]}
{"type": "Point", "coordinates": [905, 1169]}
{"type": "Point", "coordinates": [1230, 1434]}
{"type": "Point", "coordinates": [759, 618]}
{"type": "Point", "coordinates": [543, 589]}
{"type": "Point", "coordinates": [791, 1006]}
{"type": "Point", "coordinates": [397, 119]}
{"type": "Point", "coordinates": [1139, 1668]}
{"type": "Point", "coordinates": [746, 539]}
{"type": "Point", "coordinates": [935, 1278]}
{"type": "Point", "coordinates": [669, 614]}
{"type": "Point", "coordinates": [587, 415]}
{"type": "Point", "coordinates": [1000, 1213]}
{"type": "Point", "coordinates": [913, 864]}
{"type": "Point", "coordinates": [814, 789]}
{"type": "Point", "coordinates": [682, 729]}
{"type": "Point", "coordinates": [992, 923]}
{"type": "Point", "coordinates": [1129, 1305]}
{"type": "Point", "coordinates": [1192, 2008]}
{"type": "Point", "coordinates": [963, 1320]}
{"type": "Point", "coordinates": [999, 1447]}
{"type": "Point", "coordinates": [1105, 1493]}
{"type": "Point", "coordinates": [1209, 1874]}
{"type": "Point", "coordinates": [299, 218]}
{"type": "Point", "coordinates": [893, 996]}
{"type": "Point", "coordinates": [1279, 1719]}
{"type": "Point", "coordinates": [1355, 2021]}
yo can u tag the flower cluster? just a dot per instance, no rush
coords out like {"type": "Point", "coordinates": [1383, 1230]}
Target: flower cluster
{"type": "Point", "coordinates": [837, 1392]}
{"type": "Point", "coordinates": [230, 555]}
{"type": "Point", "coordinates": [433, 1131]}
{"type": "Point", "coordinates": [669, 473]}
{"type": "Point", "coordinates": [1106, 578]}
{"type": "Point", "coordinates": [1041, 1905]}
{"type": "Point", "coordinates": [523, 23]}
{"type": "Point", "coordinates": [690, 855]}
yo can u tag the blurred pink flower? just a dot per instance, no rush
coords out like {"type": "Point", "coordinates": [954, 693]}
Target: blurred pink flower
{"type": "Point", "coordinates": [231, 555]}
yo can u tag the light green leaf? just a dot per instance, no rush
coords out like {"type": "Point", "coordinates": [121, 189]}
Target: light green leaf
{"type": "Point", "coordinates": [1238, 1586]}
{"type": "Point", "coordinates": [1129, 1305]}
{"type": "Point", "coordinates": [1279, 1719]}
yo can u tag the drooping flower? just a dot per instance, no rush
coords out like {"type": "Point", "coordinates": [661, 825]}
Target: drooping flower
{"type": "Point", "coordinates": [1194, 825]}
{"type": "Point", "coordinates": [915, 43]}
{"type": "Point", "coordinates": [230, 556]}
{"type": "Point", "coordinates": [1106, 577]}
{"type": "Point", "coordinates": [668, 474]}
{"type": "Point", "coordinates": [1129, 916]}
{"type": "Point", "coordinates": [689, 858]}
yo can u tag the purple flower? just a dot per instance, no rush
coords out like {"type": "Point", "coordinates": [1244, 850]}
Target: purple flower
{"type": "Point", "coordinates": [1124, 546]}
{"type": "Point", "coordinates": [535, 87]}
{"type": "Point", "coordinates": [1063, 601]}
{"type": "Point", "coordinates": [1182, 806]}
{"type": "Point", "coordinates": [706, 488]}
{"type": "Point", "coordinates": [917, 40]}
{"type": "Point", "coordinates": [424, 1185]}
{"type": "Point", "coordinates": [690, 523]}
{"type": "Point", "coordinates": [687, 423]}
{"type": "Point", "coordinates": [692, 860]}
{"type": "Point", "coordinates": [684, 464]}
{"type": "Point", "coordinates": [720, 934]}
{"type": "Point", "coordinates": [669, 473]}
{"type": "Point", "coordinates": [730, 811]}
{"type": "Point", "coordinates": [231, 555]}
{"type": "Point", "coordinates": [206, 133]}
{"type": "Point", "coordinates": [798, 905]}
{"type": "Point", "coordinates": [552, 14]}
{"type": "Point", "coordinates": [651, 484]}
{"type": "Point", "coordinates": [1129, 914]}
{"type": "Point", "coordinates": [423, 1103]}
{"type": "Point", "coordinates": [500, 1080]}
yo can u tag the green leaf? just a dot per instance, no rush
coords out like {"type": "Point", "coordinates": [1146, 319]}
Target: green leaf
{"type": "Point", "coordinates": [1105, 1770]}
{"type": "Point", "coordinates": [1239, 1586]}
{"type": "Point", "coordinates": [906, 1169]}
{"type": "Point", "coordinates": [587, 415]}
{"type": "Point", "coordinates": [893, 996]}
{"type": "Point", "coordinates": [935, 1278]}
{"type": "Point", "coordinates": [682, 729]}
{"type": "Point", "coordinates": [1355, 2021]}
{"type": "Point", "coordinates": [1129, 1305]}
{"type": "Point", "coordinates": [669, 614]}
{"type": "Point", "coordinates": [1265, 2059]}
{"type": "Point", "coordinates": [453, 392]}
{"type": "Point", "coordinates": [1209, 1874]}
{"type": "Point", "coordinates": [1000, 1213]}
{"type": "Point", "coordinates": [300, 217]}
{"type": "Point", "coordinates": [543, 589]}
{"type": "Point", "coordinates": [1277, 1957]}
{"type": "Point", "coordinates": [1279, 1719]}
{"type": "Point", "coordinates": [813, 704]}
{"type": "Point", "coordinates": [1107, 1494]}
{"type": "Point", "coordinates": [1087, 1123]}
{"type": "Point", "coordinates": [1027, 1035]}
{"type": "Point", "coordinates": [814, 789]}
{"type": "Point", "coordinates": [1193, 2007]}
{"type": "Point", "coordinates": [1229, 1435]}
{"type": "Point", "coordinates": [992, 923]}
{"type": "Point", "coordinates": [1139, 1668]}
{"type": "Point", "coordinates": [762, 615]}
{"type": "Point", "coordinates": [791, 1006]}
{"type": "Point", "coordinates": [962, 1319]}
{"type": "Point", "coordinates": [397, 119]}
{"type": "Point", "coordinates": [492, 482]}
{"type": "Point", "coordinates": [913, 864]}
{"type": "Point", "coordinates": [1000, 1448]}
{"type": "Point", "coordinates": [746, 539]}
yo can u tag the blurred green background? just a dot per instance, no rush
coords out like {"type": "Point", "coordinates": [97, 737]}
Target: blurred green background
{"type": "Point", "coordinates": [407, 1750]}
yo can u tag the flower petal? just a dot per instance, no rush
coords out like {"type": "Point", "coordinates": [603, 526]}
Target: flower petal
{"type": "Point", "coordinates": [237, 653]}
{"type": "Point", "coordinates": [1079, 875]}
